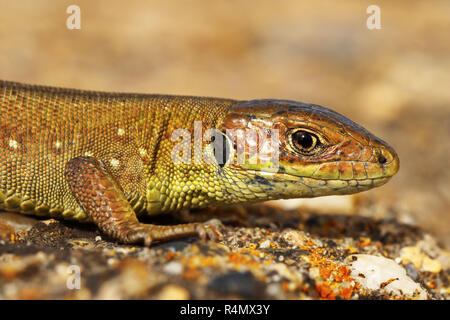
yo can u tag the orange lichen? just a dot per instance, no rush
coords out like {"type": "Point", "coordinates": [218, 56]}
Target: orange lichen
{"type": "Point", "coordinates": [170, 255]}
{"type": "Point", "coordinates": [199, 261]}
{"type": "Point", "coordinates": [325, 291]}
{"type": "Point", "coordinates": [13, 237]}
{"type": "Point", "coordinates": [320, 250]}
{"type": "Point", "coordinates": [346, 293]}
{"type": "Point", "coordinates": [287, 286]}
{"type": "Point", "coordinates": [267, 262]}
{"type": "Point", "coordinates": [364, 242]}
{"type": "Point", "coordinates": [239, 259]}
{"type": "Point", "coordinates": [385, 283]}
{"type": "Point", "coordinates": [333, 279]}
{"type": "Point", "coordinates": [253, 252]}
{"type": "Point", "coordinates": [432, 284]}
{"type": "Point", "coordinates": [343, 273]}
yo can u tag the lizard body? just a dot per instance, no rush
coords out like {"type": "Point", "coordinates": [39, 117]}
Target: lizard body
{"type": "Point", "coordinates": [107, 158]}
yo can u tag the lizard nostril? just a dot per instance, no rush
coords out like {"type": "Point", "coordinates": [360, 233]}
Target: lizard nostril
{"type": "Point", "coordinates": [382, 159]}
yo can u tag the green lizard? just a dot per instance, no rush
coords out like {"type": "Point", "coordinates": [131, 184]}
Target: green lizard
{"type": "Point", "coordinates": [108, 158]}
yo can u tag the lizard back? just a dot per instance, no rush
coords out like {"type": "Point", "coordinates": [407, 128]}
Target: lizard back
{"type": "Point", "coordinates": [42, 128]}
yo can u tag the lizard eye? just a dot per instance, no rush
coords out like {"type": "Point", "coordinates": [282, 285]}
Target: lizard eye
{"type": "Point", "coordinates": [304, 142]}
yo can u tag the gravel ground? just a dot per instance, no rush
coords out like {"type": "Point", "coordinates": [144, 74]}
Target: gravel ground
{"type": "Point", "coordinates": [266, 253]}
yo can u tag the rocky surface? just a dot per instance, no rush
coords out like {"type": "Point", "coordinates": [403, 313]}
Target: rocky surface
{"type": "Point", "coordinates": [266, 253]}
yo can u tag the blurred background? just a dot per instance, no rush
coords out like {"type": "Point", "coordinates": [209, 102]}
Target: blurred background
{"type": "Point", "coordinates": [394, 81]}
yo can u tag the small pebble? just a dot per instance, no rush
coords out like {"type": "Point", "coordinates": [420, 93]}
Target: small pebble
{"type": "Point", "coordinates": [173, 268]}
{"type": "Point", "coordinates": [430, 265]}
{"type": "Point", "coordinates": [265, 244]}
{"type": "Point", "coordinates": [420, 260]}
{"type": "Point", "coordinates": [411, 271]}
{"type": "Point", "coordinates": [274, 289]}
{"type": "Point", "coordinates": [383, 273]}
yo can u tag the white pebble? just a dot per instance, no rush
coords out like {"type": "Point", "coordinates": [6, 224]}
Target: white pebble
{"type": "Point", "coordinates": [173, 268]}
{"type": "Point", "coordinates": [385, 274]}
{"type": "Point", "coordinates": [265, 244]}
{"type": "Point", "coordinates": [274, 289]}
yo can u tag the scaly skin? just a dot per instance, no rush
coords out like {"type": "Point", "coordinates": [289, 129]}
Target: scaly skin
{"type": "Point", "coordinates": [107, 158]}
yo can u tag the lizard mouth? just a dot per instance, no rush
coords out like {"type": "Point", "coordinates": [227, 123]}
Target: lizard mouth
{"type": "Point", "coordinates": [319, 181]}
{"type": "Point", "coordinates": [299, 186]}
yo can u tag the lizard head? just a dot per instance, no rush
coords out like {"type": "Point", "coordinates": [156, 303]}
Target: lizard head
{"type": "Point", "coordinates": [268, 149]}
{"type": "Point", "coordinates": [279, 149]}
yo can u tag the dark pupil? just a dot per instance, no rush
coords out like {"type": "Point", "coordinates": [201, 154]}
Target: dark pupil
{"type": "Point", "coordinates": [304, 139]}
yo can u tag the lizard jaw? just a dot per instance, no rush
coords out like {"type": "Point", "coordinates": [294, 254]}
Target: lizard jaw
{"type": "Point", "coordinates": [286, 186]}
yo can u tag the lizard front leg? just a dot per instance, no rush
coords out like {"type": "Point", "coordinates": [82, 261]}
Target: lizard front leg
{"type": "Point", "coordinates": [102, 198]}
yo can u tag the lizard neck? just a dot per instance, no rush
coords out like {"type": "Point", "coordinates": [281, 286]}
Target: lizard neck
{"type": "Point", "coordinates": [167, 120]}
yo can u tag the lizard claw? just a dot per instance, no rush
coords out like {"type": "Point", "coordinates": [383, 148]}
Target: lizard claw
{"type": "Point", "coordinates": [207, 232]}
{"type": "Point", "coordinates": [147, 240]}
{"type": "Point", "coordinates": [141, 235]}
